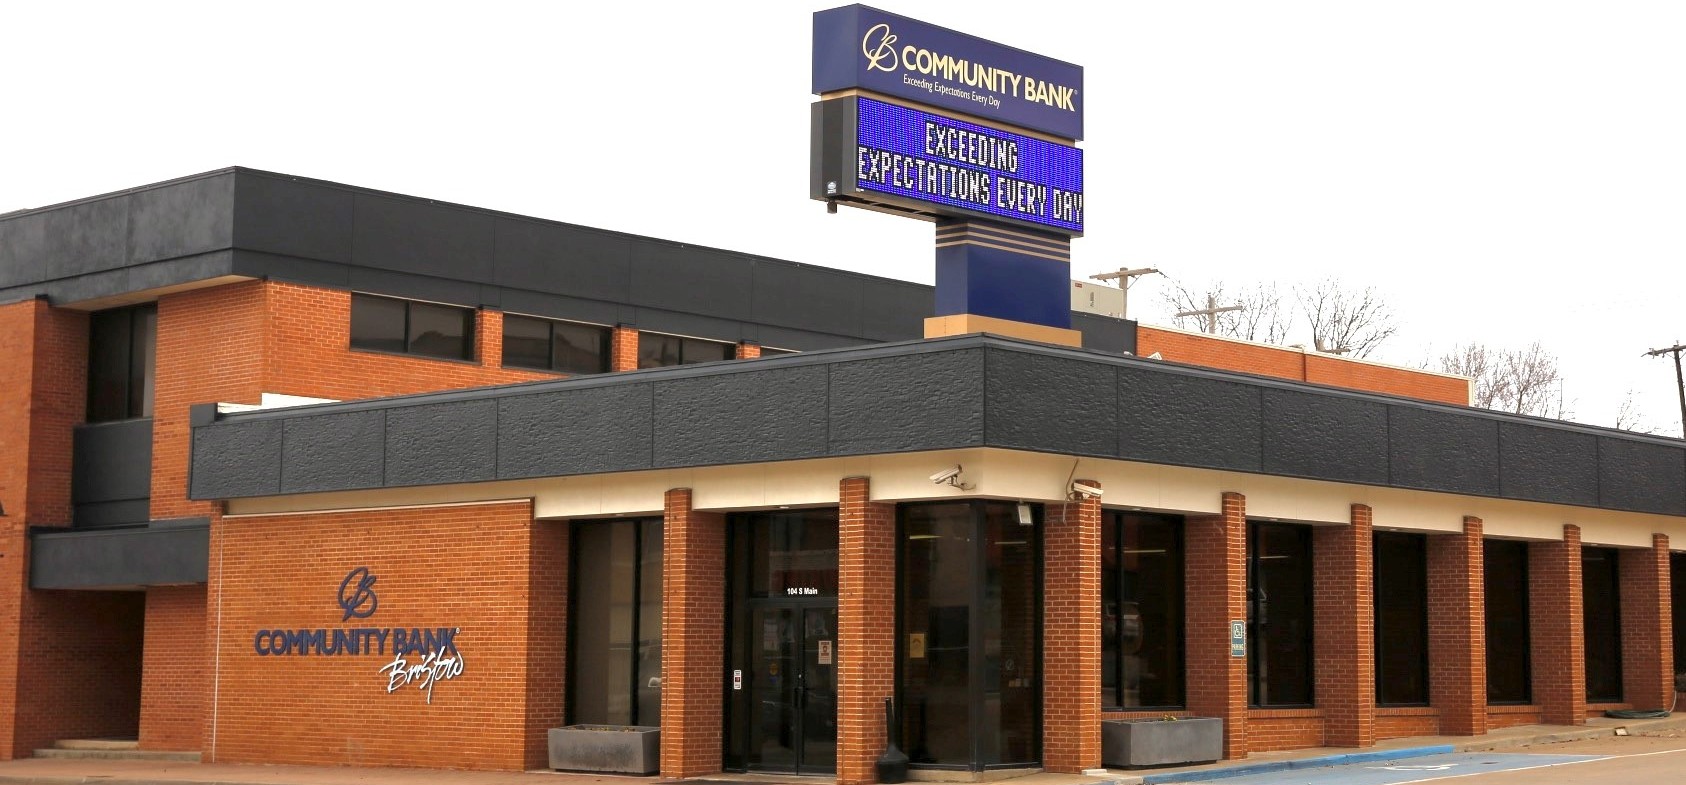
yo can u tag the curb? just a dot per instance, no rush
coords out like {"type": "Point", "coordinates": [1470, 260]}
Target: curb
{"type": "Point", "coordinates": [1285, 765]}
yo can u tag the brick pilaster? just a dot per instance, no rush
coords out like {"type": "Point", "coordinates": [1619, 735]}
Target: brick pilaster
{"type": "Point", "coordinates": [1647, 626]}
{"type": "Point", "coordinates": [1071, 619]}
{"type": "Point", "coordinates": [866, 642]}
{"type": "Point", "coordinates": [43, 391]}
{"type": "Point", "coordinates": [1217, 594]}
{"type": "Point", "coordinates": [1457, 630]}
{"type": "Point", "coordinates": [1554, 621]}
{"type": "Point", "coordinates": [623, 349]}
{"type": "Point", "coordinates": [693, 637]}
{"type": "Point", "coordinates": [748, 350]}
{"type": "Point", "coordinates": [488, 338]}
{"type": "Point", "coordinates": [1343, 627]}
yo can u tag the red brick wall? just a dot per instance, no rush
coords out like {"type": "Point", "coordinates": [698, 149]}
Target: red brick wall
{"type": "Point", "coordinates": [1554, 622]}
{"type": "Point", "coordinates": [866, 647]}
{"type": "Point", "coordinates": [1343, 628]}
{"type": "Point", "coordinates": [623, 346]}
{"type": "Point", "coordinates": [43, 393]}
{"type": "Point", "coordinates": [1071, 623]}
{"type": "Point", "coordinates": [1647, 625]}
{"type": "Point", "coordinates": [1457, 630]}
{"type": "Point", "coordinates": [1398, 723]}
{"type": "Point", "coordinates": [1284, 729]}
{"type": "Point", "coordinates": [693, 637]}
{"type": "Point", "coordinates": [1216, 586]}
{"type": "Point", "coordinates": [469, 567]}
{"type": "Point", "coordinates": [748, 351]}
{"type": "Point", "coordinates": [79, 667]}
{"type": "Point", "coordinates": [547, 639]}
{"type": "Point", "coordinates": [1511, 716]}
{"type": "Point", "coordinates": [174, 692]}
{"type": "Point", "coordinates": [1285, 363]}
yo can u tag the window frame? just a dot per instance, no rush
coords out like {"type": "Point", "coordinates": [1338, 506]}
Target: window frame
{"type": "Point", "coordinates": [731, 348]}
{"type": "Point", "coordinates": [1378, 558]}
{"type": "Point", "coordinates": [1255, 636]}
{"type": "Point", "coordinates": [1113, 699]}
{"type": "Point", "coordinates": [575, 594]}
{"type": "Point", "coordinates": [139, 377]}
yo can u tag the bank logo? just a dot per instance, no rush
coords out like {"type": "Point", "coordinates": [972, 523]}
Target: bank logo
{"type": "Point", "coordinates": [884, 49]}
{"type": "Point", "coordinates": [361, 602]}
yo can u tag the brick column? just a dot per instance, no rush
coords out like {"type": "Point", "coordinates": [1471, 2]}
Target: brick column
{"type": "Point", "coordinates": [1343, 628]}
{"type": "Point", "coordinates": [1216, 589]}
{"type": "Point", "coordinates": [623, 348]}
{"type": "Point", "coordinates": [693, 637]}
{"type": "Point", "coordinates": [43, 391]}
{"type": "Point", "coordinates": [1457, 630]}
{"type": "Point", "coordinates": [1555, 631]}
{"type": "Point", "coordinates": [748, 350]}
{"type": "Point", "coordinates": [1071, 620]}
{"type": "Point", "coordinates": [488, 338]}
{"type": "Point", "coordinates": [1647, 626]}
{"type": "Point", "coordinates": [866, 633]}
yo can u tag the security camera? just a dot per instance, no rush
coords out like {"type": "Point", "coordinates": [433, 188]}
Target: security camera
{"type": "Point", "coordinates": [1084, 491]}
{"type": "Point", "coordinates": [946, 475]}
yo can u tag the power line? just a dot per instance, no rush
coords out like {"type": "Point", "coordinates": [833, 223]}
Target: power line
{"type": "Point", "coordinates": [1679, 380]}
{"type": "Point", "coordinates": [1126, 278]}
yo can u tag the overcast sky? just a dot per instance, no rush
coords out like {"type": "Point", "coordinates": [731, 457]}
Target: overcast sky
{"type": "Point", "coordinates": [1503, 172]}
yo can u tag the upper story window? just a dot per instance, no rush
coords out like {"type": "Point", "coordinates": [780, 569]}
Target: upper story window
{"type": "Point", "coordinates": [387, 324]}
{"type": "Point", "coordinates": [768, 351]}
{"type": "Point", "coordinates": [659, 351]}
{"type": "Point", "coordinates": [550, 345]}
{"type": "Point", "coordinates": [121, 365]}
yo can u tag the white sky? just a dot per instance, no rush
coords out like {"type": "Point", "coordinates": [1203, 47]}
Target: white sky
{"type": "Point", "coordinates": [1503, 172]}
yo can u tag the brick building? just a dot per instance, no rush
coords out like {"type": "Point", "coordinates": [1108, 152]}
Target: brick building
{"type": "Point", "coordinates": [296, 472]}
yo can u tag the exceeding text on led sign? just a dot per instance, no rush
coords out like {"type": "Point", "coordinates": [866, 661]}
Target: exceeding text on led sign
{"type": "Point", "coordinates": [918, 155]}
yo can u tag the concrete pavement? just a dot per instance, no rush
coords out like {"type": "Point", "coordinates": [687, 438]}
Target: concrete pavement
{"type": "Point", "coordinates": [42, 771]}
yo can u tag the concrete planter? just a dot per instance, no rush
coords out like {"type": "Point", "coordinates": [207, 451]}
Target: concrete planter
{"type": "Point", "coordinates": [618, 749]}
{"type": "Point", "coordinates": [1130, 744]}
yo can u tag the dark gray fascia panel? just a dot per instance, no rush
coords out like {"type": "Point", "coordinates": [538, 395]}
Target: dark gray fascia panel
{"type": "Point", "coordinates": [968, 391]}
{"type": "Point", "coordinates": [163, 554]}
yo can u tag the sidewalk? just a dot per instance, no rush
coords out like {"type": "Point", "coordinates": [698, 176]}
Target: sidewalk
{"type": "Point", "coordinates": [44, 771]}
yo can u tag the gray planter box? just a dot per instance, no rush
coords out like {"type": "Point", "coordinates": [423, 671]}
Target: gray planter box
{"type": "Point", "coordinates": [1130, 744]}
{"type": "Point", "coordinates": [618, 749]}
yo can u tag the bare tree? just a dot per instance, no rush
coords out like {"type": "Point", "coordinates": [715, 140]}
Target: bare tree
{"type": "Point", "coordinates": [1264, 316]}
{"type": "Point", "coordinates": [1345, 320]}
{"type": "Point", "coordinates": [1629, 417]}
{"type": "Point", "coordinates": [1523, 381]}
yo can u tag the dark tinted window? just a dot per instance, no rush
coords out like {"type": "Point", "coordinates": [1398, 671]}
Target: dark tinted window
{"type": "Point", "coordinates": [1401, 598]}
{"type": "Point", "coordinates": [1601, 623]}
{"type": "Point", "coordinates": [1677, 591]}
{"type": "Point", "coordinates": [659, 351]}
{"type": "Point", "coordinates": [1141, 611]}
{"type": "Point", "coordinates": [1279, 614]}
{"type": "Point", "coordinates": [122, 345]}
{"type": "Point", "coordinates": [555, 346]}
{"type": "Point", "coordinates": [385, 324]}
{"type": "Point", "coordinates": [614, 667]}
{"type": "Point", "coordinates": [1505, 579]}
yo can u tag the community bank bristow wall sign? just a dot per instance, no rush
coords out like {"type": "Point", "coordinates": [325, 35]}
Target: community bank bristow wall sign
{"type": "Point", "coordinates": [420, 656]}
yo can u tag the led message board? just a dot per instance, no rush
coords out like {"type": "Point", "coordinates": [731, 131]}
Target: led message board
{"type": "Point", "coordinates": [860, 47]}
{"type": "Point", "coordinates": [913, 161]}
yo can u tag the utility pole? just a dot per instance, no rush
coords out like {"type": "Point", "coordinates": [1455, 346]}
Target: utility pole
{"type": "Point", "coordinates": [1211, 312]}
{"type": "Point", "coordinates": [1126, 278]}
{"type": "Point", "coordinates": [1679, 381]}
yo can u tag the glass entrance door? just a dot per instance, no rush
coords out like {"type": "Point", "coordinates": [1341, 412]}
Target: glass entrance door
{"type": "Point", "coordinates": [792, 689]}
{"type": "Point", "coordinates": [782, 645]}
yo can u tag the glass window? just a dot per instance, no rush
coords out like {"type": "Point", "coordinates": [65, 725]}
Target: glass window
{"type": "Point", "coordinates": [551, 345]}
{"type": "Point", "coordinates": [122, 349]}
{"type": "Point", "coordinates": [1505, 588]}
{"type": "Point", "coordinates": [614, 666]}
{"type": "Point", "coordinates": [1279, 614]}
{"type": "Point", "coordinates": [1400, 585]}
{"type": "Point", "coordinates": [970, 648]}
{"type": "Point", "coordinates": [526, 342]}
{"type": "Point", "coordinates": [1601, 624]}
{"type": "Point", "coordinates": [1677, 591]}
{"type": "Point", "coordinates": [386, 324]}
{"type": "Point", "coordinates": [1142, 611]}
{"type": "Point", "coordinates": [660, 351]}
